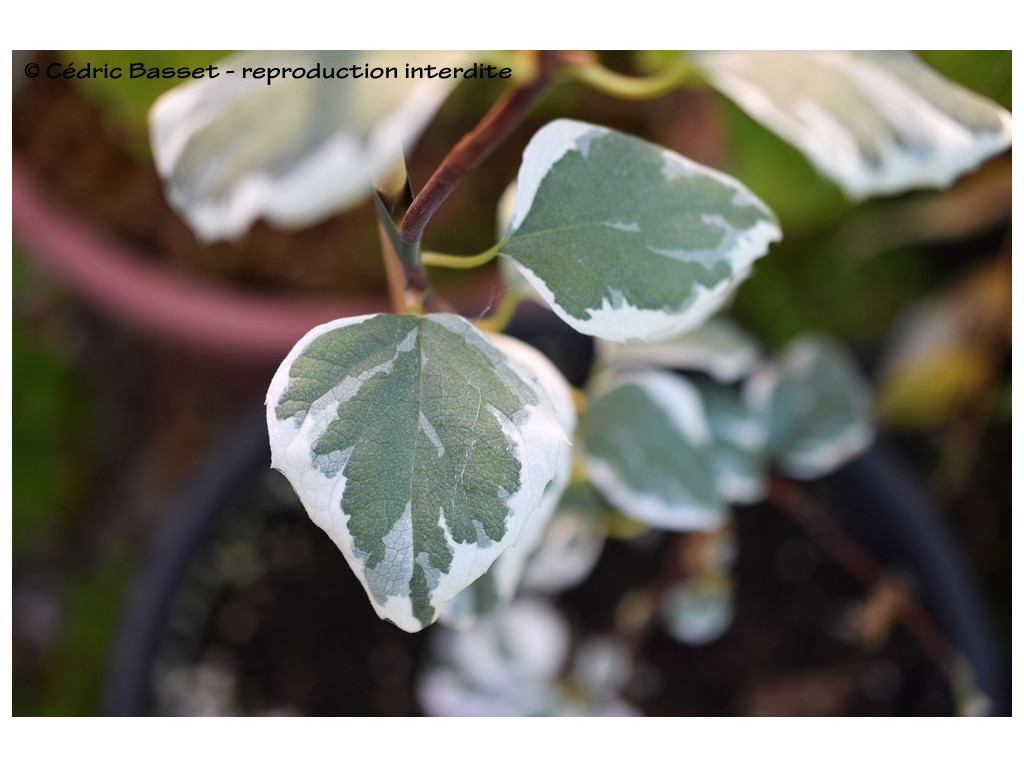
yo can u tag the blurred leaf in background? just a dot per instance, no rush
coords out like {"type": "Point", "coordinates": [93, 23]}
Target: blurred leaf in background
{"type": "Point", "coordinates": [51, 419]}
{"type": "Point", "coordinates": [946, 353]}
{"type": "Point", "coordinates": [126, 101]}
{"type": "Point", "coordinates": [852, 269]}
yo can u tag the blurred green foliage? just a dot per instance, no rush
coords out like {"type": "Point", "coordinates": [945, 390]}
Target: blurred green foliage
{"type": "Point", "coordinates": [50, 416]}
{"type": "Point", "coordinates": [89, 614]}
{"type": "Point", "coordinates": [56, 434]}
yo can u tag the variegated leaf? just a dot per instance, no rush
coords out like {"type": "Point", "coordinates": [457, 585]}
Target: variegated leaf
{"type": "Point", "coordinates": [719, 348]}
{"type": "Point", "coordinates": [515, 663]}
{"type": "Point", "coordinates": [741, 445]}
{"type": "Point", "coordinates": [506, 665]}
{"type": "Point", "coordinates": [496, 588]}
{"type": "Point", "coordinates": [232, 150]}
{"type": "Point", "coordinates": [814, 406]}
{"type": "Point", "coordinates": [418, 446]}
{"type": "Point", "coordinates": [648, 449]}
{"type": "Point", "coordinates": [628, 240]}
{"type": "Point", "coordinates": [510, 274]}
{"type": "Point", "coordinates": [875, 122]}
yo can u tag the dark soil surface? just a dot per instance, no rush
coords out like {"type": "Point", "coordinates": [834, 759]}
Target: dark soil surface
{"type": "Point", "coordinates": [269, 620]}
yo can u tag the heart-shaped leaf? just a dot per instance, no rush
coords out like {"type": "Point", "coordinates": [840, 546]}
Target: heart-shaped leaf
{"type": "Point", "coordinates": [234, 149]}
{"type": "Point", "coordinates": [648, 450]}
{"type": "Point", "coordinates": [875, 122]}
{"type": "Point", "coordinates": [814, 406]}
{"type": "Point", "coordinates": [418, 446]}
{"type": "Point", "coordinates": [625, 239]}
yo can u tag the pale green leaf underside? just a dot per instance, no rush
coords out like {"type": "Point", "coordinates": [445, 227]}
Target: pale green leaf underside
{"type": "Point", "coordinates": [418, 446]}
{"type": "Point", "coordinates": [232, 150]}
{"type": "Point", "coordinates": [648, 450]}
{"type": "Point", "coordinates": [628, 240]}
{"type": "Point", "coordinates": [814, 406]}
{"type": "Point", "coordinates": [875, 122]}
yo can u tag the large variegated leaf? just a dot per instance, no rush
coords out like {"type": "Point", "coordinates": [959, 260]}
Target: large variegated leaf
{"type": "Point", "coordinates": [648, 450]}
{"type": "Point", "coordinates": [234, 149]}
{"type": "Point", "coordinates": [719, 348]}
{"type": "Point", "coordinates": [741, 445]}
{"type": "Point", "coordinates": [875, 122]}
{"type": "Point", "coordinates": [626, 239]}
{"type": "Point", "coordinates": [498, 585]}
{"type": "Point", "coordinates": [814, 406]}
{"type": "Point", "coordinates": [418, 446]}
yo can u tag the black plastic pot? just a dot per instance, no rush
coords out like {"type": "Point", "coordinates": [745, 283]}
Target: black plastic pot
{"type": "Point", "coordinates": [905, 530]}
{"type": "Point", "coordinates": [884, 507]}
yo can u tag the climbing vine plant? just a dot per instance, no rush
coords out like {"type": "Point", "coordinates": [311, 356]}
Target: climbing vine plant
{"type": "Point", "coordinates": [451, 464]}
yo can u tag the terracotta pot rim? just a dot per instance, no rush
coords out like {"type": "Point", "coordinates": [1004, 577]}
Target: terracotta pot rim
{"type": "Point", "coordinates": [123, 283]}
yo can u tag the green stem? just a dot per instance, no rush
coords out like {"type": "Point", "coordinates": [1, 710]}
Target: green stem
{"type": "Point", "coordinates": [627, 87]}
{"type": "Point", "coordinates": [448, 261]}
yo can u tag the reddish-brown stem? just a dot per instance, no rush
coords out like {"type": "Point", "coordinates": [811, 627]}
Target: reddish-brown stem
{"type": "Point", "coordinates": [473, 148]}
{"type": "Point", "coordinates": [862, 565]}
{"type": "Point", "coordinates": [408, 287]}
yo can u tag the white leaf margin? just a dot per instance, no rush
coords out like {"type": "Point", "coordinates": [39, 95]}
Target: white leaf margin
{"type": "Point", "coordinates": [830, 146]}
{"type": "Point", "coordinates": [539, 441]}
{"type": "Point", "coordinates": [683, 408]}
{"type": "Point", "coordinates": [719, 347]}
{"type": "Point", "coordinates": [506, 665]}
{"type": "Point", "coordinates": [335, 177]}
{"type": "Point", "coordinates": [626, 322]}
